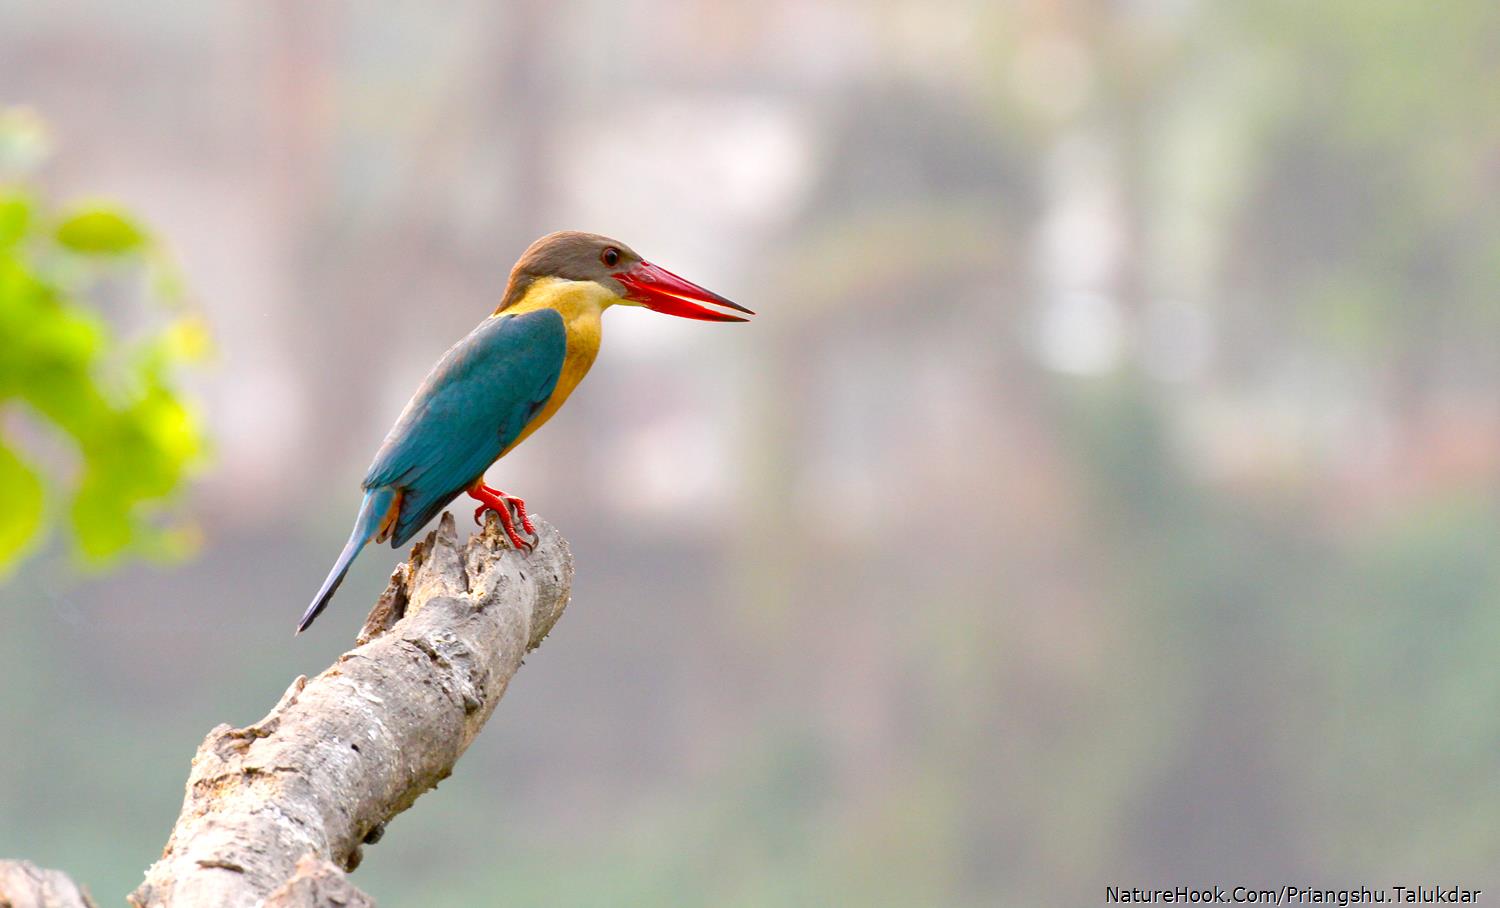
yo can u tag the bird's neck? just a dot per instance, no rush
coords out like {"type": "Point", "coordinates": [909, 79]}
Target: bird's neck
{"type": "Point", "coordinates": [574, 299]}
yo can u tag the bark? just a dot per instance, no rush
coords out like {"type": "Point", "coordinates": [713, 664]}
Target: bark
{"type": "Point", "coordinates": [276, 813]}
{"type": "Point", "coordinates": [25, 885]}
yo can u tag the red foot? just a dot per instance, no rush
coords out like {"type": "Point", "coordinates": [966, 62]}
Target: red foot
{"type": "Point", "coordinates": [501, 503]}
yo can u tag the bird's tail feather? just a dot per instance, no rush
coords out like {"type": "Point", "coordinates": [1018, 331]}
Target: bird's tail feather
{"type": "Point", "coordinates": [372, 514]}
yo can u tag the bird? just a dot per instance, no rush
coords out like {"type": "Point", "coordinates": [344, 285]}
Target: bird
{"type": "Point", "coordinates": [501, 383]}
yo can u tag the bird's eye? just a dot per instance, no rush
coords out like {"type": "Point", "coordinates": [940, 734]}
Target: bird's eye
{"type": "Point", "coordinates": [610, 256]}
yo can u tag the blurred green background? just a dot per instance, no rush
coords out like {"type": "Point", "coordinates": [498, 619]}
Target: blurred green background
{"type": "Point", "coordinates": [1108, 493]}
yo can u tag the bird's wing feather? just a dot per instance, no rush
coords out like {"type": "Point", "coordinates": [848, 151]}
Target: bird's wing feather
{"type": "Point", "coordinates": [473, 404]}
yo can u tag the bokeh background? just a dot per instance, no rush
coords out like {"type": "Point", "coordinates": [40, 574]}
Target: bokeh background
{"type": "Point", "coordinates": [1108, 493]}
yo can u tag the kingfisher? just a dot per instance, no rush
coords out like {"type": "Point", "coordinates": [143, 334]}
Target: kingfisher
{"type": "Point", "coordinates": [494, 388]}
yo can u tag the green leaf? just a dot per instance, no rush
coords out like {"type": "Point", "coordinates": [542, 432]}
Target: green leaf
{"type": "Point", "coordinates": [21, 490]}
{"type": "Point", "coordinates": [101, 230]}
{"type": "Point", "coordinates": [15, 215]}
{"type": "Point", "coordinates": [116, 403]}
{"type": "Point", "coordinates": [101, 518]}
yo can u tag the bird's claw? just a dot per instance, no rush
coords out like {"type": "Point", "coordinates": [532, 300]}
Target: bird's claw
{"type": "Point", "coordinates": [501, 504]}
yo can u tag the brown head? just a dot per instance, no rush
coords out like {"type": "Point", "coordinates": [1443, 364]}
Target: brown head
{"type": "Point", "coordinates": [575, 256]}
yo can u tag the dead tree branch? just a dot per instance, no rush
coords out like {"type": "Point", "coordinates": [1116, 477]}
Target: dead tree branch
{"type": "Point", "coordinates": [277, 812]}
{"type": "Point", "coordinates": [25, 885]}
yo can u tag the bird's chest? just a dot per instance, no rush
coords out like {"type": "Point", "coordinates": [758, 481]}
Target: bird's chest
{"type": "Point", "coordinates": [583, 347]}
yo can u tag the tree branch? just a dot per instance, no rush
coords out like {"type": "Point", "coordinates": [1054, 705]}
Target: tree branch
{"type": "Point", "coordinates": [276, 813]}
{"type": "Point", "coordinates": [25, 885]}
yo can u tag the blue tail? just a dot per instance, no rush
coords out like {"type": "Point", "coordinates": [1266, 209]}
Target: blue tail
{"type": "Point", "coordinates": [376, 504]}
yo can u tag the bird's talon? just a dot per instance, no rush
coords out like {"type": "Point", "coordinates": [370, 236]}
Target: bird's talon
{"type": "Point", "coordinates": [509, 509]}
{"type": "Point", "coordinates": [501, 504]}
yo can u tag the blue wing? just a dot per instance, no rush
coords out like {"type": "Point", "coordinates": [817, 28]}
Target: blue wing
{"type": "Point", "coordinates": [471, 406]}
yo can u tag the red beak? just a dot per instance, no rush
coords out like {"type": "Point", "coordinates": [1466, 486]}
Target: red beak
{"type": "Point", "coordinates": [660, 290]}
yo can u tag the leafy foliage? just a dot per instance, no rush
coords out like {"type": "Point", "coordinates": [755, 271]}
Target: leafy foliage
{"type": "Point", "coordinates": [65, 371]}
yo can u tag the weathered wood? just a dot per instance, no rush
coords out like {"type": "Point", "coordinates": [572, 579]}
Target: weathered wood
{"type": "Point", "coordinates": [276, 812]}
{"type": "Point", "coordinates": [25, 885]}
